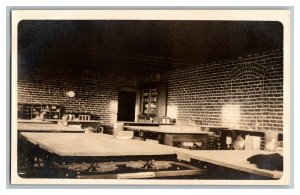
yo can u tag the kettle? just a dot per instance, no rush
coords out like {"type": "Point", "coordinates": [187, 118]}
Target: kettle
{"type": "Point", "coordinates": [239, 143]}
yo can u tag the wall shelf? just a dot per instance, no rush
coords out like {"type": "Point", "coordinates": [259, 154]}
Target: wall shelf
{"type": "Point", "coordinates": [31, 111]}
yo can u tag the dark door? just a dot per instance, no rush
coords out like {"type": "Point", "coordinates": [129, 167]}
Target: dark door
{"type": "Point", "coordinates": [126, 105]}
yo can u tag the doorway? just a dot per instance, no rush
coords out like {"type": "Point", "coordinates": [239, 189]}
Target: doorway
{"type": "Point", "coordinates": [126, 105]}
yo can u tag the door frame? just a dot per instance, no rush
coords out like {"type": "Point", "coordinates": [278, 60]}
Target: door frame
{"type": "Point", "coordinates": [137, 100]}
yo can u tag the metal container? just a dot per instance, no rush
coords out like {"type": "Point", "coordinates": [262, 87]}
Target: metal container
{"type": "Point", "coordinates": [271, 140]}
{"type": "Point", "coordinates": [239, 143]}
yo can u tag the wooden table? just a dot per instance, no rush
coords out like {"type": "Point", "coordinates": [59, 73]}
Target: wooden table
{"type": "Point", "coordinates": [78, 149]}
{"type": "Point", "coordinates": [102, 145]}
{"type": "Point", "coordinates": [46, 127]}
{"type": "Point", "coordinates": [145, 124]}
{"type": "Point", "coordinates": [169, 136]}
{"type": "Point", "coordinates": [35, 121]}
{"type": "Point", "coordinates": [86, 123]}
{"type": "Point", "coordinates": [37, 128]}
{"type": "Point", "coordinates": [233, 159]}
{"type": "Point", "coordinates": [94, 144]}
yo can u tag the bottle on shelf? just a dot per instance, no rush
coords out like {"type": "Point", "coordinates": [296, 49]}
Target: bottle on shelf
{"type": "Point", "coordinates": [229, 143]}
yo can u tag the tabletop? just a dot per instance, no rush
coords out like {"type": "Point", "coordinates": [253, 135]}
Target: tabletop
{"type": "Point", "coordinates": [94, 144]}
{"type": "Point", "coordinates": [35, 121]}
{"type": "Point", "coordinates": [46, 127]}
{"type": "Point", "coordinates": [84, 121]}
{"type": "Point", "coordinates": [234, 159]}
{"type": "Point", "coordinates": [166, 130]}
{"type": "Point", "coordinates": [145, 123]}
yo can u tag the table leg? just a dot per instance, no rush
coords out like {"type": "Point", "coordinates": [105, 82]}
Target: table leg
{"type": "Point", "coordinates": [160, 138]}
{"type": "Point", "coordinates": [168, 139]}
{"type": "Point", "coordinates": [204, 142]}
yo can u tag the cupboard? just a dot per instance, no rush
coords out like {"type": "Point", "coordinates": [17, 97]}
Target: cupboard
{"type": "Point", "coordinates": [153, 100]}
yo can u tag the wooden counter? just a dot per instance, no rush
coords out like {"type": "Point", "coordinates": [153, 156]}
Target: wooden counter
{"type": "Point", "coordinates": [46, 127]}
{"type": "Point", "coordinates": [169, 130]}
{"type": "Point", "coordinates": [170, 136]}
{"type": "Point", "coordinates": [35, 121]}
{"type": "Point", "coordinates": [84, 121]}
{"type": "Point", "coordinates": [145, 124]}
{"type": "Point", "coordinates": [233, 159]}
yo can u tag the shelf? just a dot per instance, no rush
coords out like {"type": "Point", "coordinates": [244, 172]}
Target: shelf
{"type": "Point", "coordinates": [31, 111]}
{"type": "Point", "coordinates": [153, 99]}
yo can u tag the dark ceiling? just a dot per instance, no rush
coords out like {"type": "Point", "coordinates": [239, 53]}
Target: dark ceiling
{"type": "Point", "coordinates": [140, 44]}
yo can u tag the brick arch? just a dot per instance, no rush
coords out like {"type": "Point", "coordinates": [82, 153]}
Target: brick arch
{"type": "Point", "coordinates": [247, 70]}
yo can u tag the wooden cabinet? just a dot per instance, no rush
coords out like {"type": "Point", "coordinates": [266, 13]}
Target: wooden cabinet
{"type": "Point", "coordinates": [153, 100]}
{"type": "Point", "coordinates": [31, 111]}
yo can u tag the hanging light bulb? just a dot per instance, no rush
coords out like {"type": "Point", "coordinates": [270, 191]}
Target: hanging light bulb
{"type": "Point", "coordinates": [70, 94]}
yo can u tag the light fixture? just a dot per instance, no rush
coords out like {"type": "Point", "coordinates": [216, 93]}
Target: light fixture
{"type": "Point", "coordinates": [70, 94]}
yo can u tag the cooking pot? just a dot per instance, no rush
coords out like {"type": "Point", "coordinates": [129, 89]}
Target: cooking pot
{"type": "Point", "coordinates": [239, 143]}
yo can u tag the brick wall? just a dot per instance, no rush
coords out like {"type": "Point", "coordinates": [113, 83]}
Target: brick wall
{"type": "Point", "coordinates": [234, 93]}
{"type": "Point", "coordinates": [96, 91]}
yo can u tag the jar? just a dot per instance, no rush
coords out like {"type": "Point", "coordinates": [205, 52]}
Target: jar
{"type": "Point", "coordinates": [271, 140]}
{"type": "Point", "coordinates": [168, 120]}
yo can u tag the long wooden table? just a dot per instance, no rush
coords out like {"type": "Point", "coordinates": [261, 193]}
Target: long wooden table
{"type": "Point", "coordinates": [233, 159]}
{"type": "Point", "coordinates": [94, 144]}
{"type": "Point", "coordinates": [80, 149]}
{"type": "Point", "coordinates": [35, 121]}
{"type": "Point", "coordinates": [145, 124]}
{"type": "Point", "coordinates": [102, 145]}
{"type": "Point", "coordinates": [46, 127]}
{"type": "Point", "coordinates": [169, 130]}
{"type": "Point", "coordinates": [169, 136]}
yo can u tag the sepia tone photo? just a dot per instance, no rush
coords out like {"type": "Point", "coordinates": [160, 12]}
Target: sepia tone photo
{"type": "Point", "coordinates": [150, 97]}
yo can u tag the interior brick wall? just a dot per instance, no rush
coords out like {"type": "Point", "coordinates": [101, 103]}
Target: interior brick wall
{"type": "Point", "coordinates": [96, 91]}
{"type": "Point", "coordinates": [235, 93]}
